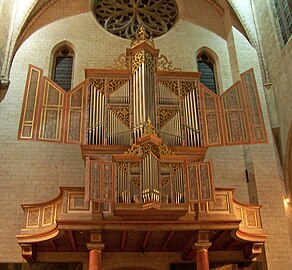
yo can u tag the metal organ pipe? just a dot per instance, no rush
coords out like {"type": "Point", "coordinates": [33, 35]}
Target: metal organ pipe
{"type": "Point", "coordinates": [191, 119]}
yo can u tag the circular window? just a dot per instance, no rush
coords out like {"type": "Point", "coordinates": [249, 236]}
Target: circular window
{"type": "Point", "coordinates": [124, 17]}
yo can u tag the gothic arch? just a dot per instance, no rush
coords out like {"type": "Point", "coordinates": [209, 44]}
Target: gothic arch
{"type": "Point", "coordinates": [57, 52]}
{"type": "Point", "coordinates": [37, 7]}
{"type": "Point", "coordinates": [216, 64]}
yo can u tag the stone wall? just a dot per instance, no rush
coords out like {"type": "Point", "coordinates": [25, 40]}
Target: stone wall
{"type": "Point", "coordinates": [33, 171]}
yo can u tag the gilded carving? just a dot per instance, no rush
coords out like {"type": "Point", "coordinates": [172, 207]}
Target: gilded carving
{"type": "Point", "coordinates": [99, 84]}
{"type": "Point", "coordinates": [123, 166]}
{"type": "Point", "coordinates": [123, 114]}
{"type": "Point", "coordinates": [193, 182]}
{"type": "Point", "coordinates": [171, 85]}
{"type": "Point", "coordinates": [212, 129]}
{"type": "Point", "coordinates": [164, 151]}
{"type": "Point", "coordinates": [149, 148]}
{"type": "Point", "coordinates": [176, 168]}
{"type": "Point", "coordinates": [210, 102]}
{"type": "Point", "coordinates": [115, 84]}
{"type": "Point", "coordinates": [165, 114]}
{"type": "Point", "coordinates": [143, 57]}
{"type": "Point", "coordinates": [48, 215]}
{"type": "Point", "coordinates": [164, 182]}
{"type": "Point", "coordinates": [187, 87]}
{"type": "Point", "coordinates": [205, 182]}
{"type": "Point", "coordinates": [136, 181]}
{"type": "Point", "coordinates": [134, 150]}
{"type": "Point", "coordinates": [149, 128]}
{"type": "Point", "coordinates": [33, 217]}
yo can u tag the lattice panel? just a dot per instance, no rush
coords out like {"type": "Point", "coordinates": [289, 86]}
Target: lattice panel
{"type": "Point", "coordinates": [29, 107]}
{"type": "Point", "coordinates": [236, 131]}
{"type": "Point", "coordinates": [118, 126]}
{"type": "Point", "coordinates": [52, 115]}
{"type": "Point", "coordinates": [167, 92]}
{"type": "Point", "coordinates": [254, 111]}
{"type": "Point", "coordinates": [75, 114]}
{"type": "Point", "coordinates": [211, 109]}
{"type": "Point", "coordinates": [171, 85]}
{"type": "Point", "coordinates": [99, 181]}
{"type": "Point", "coordinates": [143, 57]}
{"type": "Point", "coordinates": [165, 114]}
{"type": "Point", "coordinates": [199, 182]}
{"type": "Point", "coordinates": [171, 132]}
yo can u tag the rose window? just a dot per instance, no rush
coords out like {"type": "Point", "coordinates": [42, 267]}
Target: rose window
{"type": "Point", "coordinates": [124, 17]}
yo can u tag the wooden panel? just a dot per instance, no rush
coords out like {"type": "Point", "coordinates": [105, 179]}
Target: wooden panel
{"type": "Point", "coordinates": [29, 106]}
{"type": "Point", "coordinates": [75, 118]}
{"type": "Point", "coordinates": [211, 117]}
{"type": "Point", "coordinates": [254, 111]}
{"type": "Point", "coordinates": [99, 181]}
{"type": "Point", "coordinates": [234, 120]}
{"type": "Point", "coordinates": [52, 112]}
{"type": "Point", "coordinates": [199, 182]}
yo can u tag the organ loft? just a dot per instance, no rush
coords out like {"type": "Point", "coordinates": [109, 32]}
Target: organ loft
{"type": "Point", "coordinates": [144, 131]}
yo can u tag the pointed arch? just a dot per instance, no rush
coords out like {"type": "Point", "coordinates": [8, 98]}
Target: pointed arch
{"type": "Point", "coordinates": [62, 64]}
{"type": "Point", "coordinates": [207, 63]}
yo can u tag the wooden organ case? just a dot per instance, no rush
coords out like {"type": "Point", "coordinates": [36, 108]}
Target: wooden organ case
{"type": "Point", "coordinates": [144, 132]}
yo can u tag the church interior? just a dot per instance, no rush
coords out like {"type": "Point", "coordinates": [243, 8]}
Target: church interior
{"type": "Point", "coordinates": [145, 135]}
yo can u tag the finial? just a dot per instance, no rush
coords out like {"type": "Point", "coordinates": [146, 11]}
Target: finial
{"type": "Point", "coordinates": [149, 128]}
{"type": "Point", "coordinates": [142, 36]}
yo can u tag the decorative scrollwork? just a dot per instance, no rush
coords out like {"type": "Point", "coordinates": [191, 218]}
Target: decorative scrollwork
{"type": "Point", "coordinates": [120, 63]}
{"type": "Point", "coordinates": [149, 128]}
{"type": "Point", "coordinates": [187, 87]}
{"type": "Point", "coordinates": [123, 114]}
{"type": "Point", "coordinates": [171, 85]}
{"type": "Point", "coordinates": [98, 84]}
{"type": "Point", "coordinates": [165, 114]}
{"type": "Point", "coordinates": [123, 167]}
{"type": "Point", "coordinates": [164, 64]}
{"type": "Point", "coordinates": [164, 151]}
{"type": "Point", "coordinates": [134, 150]}
{"type": "Point", "coordinates": [164, 182]}
{"type": "Point", "coordinates": [123, 18]}
{"type": "Point", "coordinates": [114, 85]}
{"type": "Point", "coordinates": [143, 57]}
{"type": "Point", "coordinates": [176, 168]}
{"type": "Point", "coordinates": [136, 181]}
{"type": "Point", "coordinates": [149, 148]}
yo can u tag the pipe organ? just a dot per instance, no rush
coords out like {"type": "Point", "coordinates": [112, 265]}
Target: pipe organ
{"type": "Point", "coordinates": [143, 131]}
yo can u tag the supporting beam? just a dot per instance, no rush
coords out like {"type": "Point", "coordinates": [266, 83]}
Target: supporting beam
{"type": "Point", "coordinates": [146, 239]}
{"type": "Point", "coordinates": [216, 241]}
{"type": "Point", "coordinates": [28, 252]}
{"type": "Point", "coordinates": [168, 239]}
{"type": "Point", "coordinates": [188, 252]}
{"type": "Point", "coordinates": [52, 245]}
{"type": "Point", "coordinates": [253, 250]}
{"type": "Point", "coordinates": [230, 243]}
{"type": "Point", "coordinates": [123, 240]}
{"type": "Point", "coordinates": [72, 241]}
